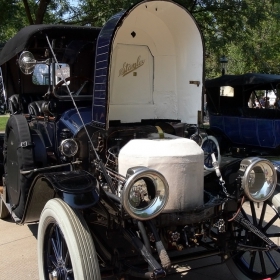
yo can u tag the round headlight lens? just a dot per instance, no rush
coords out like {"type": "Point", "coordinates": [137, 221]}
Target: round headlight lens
{"type": "Point", "coordinates": [145, 194]}
{"type": "Point", "coordinates": [68, 147]}
{"type": "Point", "coordinates": [259, 178]}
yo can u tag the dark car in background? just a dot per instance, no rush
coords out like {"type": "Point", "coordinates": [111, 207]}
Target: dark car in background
{"type": "Point", "coordinates": [241, 116]}
{"type": "Point", "coordinates": [94, 151]}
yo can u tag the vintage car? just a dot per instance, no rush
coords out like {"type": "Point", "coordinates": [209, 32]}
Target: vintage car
{"type": "Point", "coordinates": [241, 116]}
{"type": "Point", "coordinates": [94, 150]}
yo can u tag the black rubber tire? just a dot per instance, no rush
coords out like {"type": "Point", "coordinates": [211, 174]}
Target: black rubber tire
{"type": "Point", "coordinates": [60, 225]}
{"type": "Point", "coordinates": [17, 158]}
{"type": "Point", "coordinates": [259, 265]}
{"type": "Point", "coordinates": [4, 212]}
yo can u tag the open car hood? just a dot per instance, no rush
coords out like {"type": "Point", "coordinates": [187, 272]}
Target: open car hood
{"type": "Point", "coordinates": [149, 65]}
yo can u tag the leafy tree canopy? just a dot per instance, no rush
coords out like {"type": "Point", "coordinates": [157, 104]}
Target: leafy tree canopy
{"type": "Point", "coordinates": [245, 31]}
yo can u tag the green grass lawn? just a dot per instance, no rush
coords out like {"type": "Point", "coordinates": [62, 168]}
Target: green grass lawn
{"type": "Point", "coordinates": [3, 121]}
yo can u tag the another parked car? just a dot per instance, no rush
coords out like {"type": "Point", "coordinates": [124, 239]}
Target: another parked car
{"type": "Point", "coordinates": [242, 120]}
{"type": "Point", "coordinates": [95, 152]}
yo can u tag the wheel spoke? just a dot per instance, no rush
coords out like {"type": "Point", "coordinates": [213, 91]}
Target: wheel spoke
{"type": "Point", "coordinates": [56, 244]}
{"type": "Point", "coordinates": [59, 240]}
{"type": "Point", "coordinates": [258, 264]}
{"type": "Point", "coordinates": [208, 157]}
{"type": "Point", "coordinates": [64, 251]}
{"type": "Point", "coordinates": [67, 259]}
{"type": "Point", "coordinates": [53, 260]}
{"type": "Point", "coordinates": [273, 262]}
{"type": "Point", "coordinates": [252, 261]}
{"type": "Point", "coordinates": [245, 215]}
{"type": "Point", "coordinates": [253, 210]}
{"type": "Point", "coordinates": [270, 235]}
{"type": "Point", "coordinates": [54, 247]}
{"type": "Point", "coordinates": [262, 214]}
{"type": "Point", "coordinates": [262, 263]}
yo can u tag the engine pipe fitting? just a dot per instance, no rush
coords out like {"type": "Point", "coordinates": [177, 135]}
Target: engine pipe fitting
{"type": "Point", "coordinates": [144, 236]}
{"type": "Point", "coordinates": [162, 253]}
{"type": "Point", "coordinates": [157, 269]}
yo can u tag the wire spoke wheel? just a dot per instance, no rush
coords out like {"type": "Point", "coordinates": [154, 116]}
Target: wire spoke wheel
{"type": "Point", "coordinates": [257, 264]}
{"type": "Point", "coordinates": [210, 145]}
{"type": "Point", "coordinates": [57, 254]}
{"type": "Point", "coordinates": [65, 247]}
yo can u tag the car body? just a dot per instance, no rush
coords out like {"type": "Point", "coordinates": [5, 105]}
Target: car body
{"type": "Point", "coordinates": [94, 150]}
{"type": "Point", "coordinates": [234, 118]}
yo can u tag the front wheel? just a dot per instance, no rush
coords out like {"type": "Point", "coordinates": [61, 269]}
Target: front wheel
{"type": "Point", "coordinates": [210, 145]}
{"type": "Point", "coordinates": [258, 264]}
{"type": "Point", "coordinates": [65, 246]}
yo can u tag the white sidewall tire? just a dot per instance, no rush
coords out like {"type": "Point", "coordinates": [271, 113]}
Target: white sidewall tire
{"type": "Point", "coordinates": [212, 138]}
{"type": "Point", "coordinates": [77, 236]}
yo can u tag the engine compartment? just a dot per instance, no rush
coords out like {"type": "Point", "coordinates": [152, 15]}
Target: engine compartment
{"type": "Point", "coordinates": [178, 159]}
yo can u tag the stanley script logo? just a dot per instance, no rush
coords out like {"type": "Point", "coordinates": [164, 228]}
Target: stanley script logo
{"type": "Point", "coordinates": [127, 68]}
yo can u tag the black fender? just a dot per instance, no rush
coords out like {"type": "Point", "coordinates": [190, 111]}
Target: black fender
{"type": "Point", "coordinates": [79, 189]}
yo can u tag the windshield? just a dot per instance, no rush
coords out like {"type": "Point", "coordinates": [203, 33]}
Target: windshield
{"type": "Point", "coordinates": [42, 74]}
{"type": "Point", "coordinates": [75, 65]}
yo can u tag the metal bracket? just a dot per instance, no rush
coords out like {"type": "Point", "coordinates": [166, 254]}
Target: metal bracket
{"type": "Point", "coordinates": [25, 144]}
{"type": "Point", "coordinates": [195, 83]}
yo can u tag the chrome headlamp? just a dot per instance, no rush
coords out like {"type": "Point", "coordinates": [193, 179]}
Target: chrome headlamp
{"type": "Point", "coordinates": [68, 147]}
{"type": "Point", "coordinates": [145, 193]}
{"type": "Point", "coordinates": [259, 178]}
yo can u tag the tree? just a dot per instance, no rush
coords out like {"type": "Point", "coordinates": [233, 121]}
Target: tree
{"type": "Point", "coordinates": [44, 11]}
{"type": "Point", "coordinates": [242, 30]}
{"type": "Point", "coordinates": [258, 51]}
{"type": "Point", "coordinates": [239, 30]}
{"type": "Point", "coordinates": [16, 14]}
{"type": "Point", "coordinates": [12, 18]}
{"type": "Point", "coordinates": [96, 12]}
